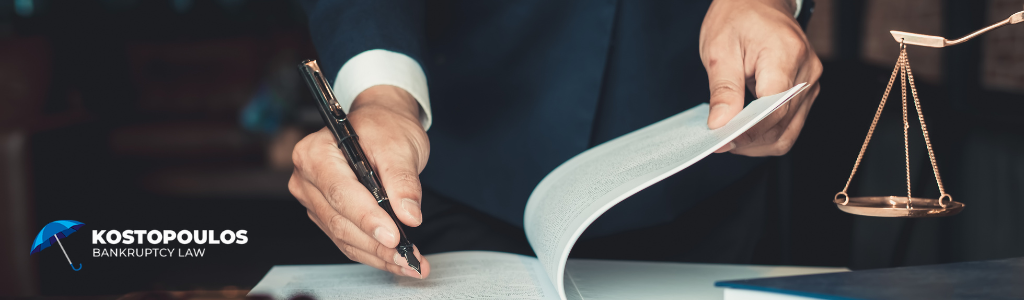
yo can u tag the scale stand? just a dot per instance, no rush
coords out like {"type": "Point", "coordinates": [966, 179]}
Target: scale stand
{"type": "Point", "coordinates": [908, 206]}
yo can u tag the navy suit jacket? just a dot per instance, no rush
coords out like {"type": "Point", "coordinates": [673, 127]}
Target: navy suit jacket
{"type": "Point", "coordinates": [518, 87]}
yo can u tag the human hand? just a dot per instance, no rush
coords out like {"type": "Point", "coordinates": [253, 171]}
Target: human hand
{"type": "Point", "coordinates": [758, 44]}
{"type": "Point", "coordinates": [387, 120]}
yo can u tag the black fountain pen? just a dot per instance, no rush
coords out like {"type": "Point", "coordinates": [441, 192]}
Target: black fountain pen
{"type": "Point", "coordinates": [348, 142]}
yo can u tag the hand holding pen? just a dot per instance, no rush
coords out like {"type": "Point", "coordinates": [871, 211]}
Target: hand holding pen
{"type": "Point", "coordinates": [396, 147]}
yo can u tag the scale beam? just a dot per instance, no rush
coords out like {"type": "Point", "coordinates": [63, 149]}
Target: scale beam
{"type": "Point", "coordinates": [939, 42]}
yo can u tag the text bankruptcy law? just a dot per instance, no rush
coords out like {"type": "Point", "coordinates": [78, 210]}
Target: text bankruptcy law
{"type": "Point", "coordinates": [162, 237]}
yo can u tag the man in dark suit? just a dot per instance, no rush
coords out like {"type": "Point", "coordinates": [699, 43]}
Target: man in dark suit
{"type": "Point", "coordinates": [518, 87]}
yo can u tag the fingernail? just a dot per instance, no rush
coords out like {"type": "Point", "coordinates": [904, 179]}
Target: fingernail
{"type": "Point", "coordinates": [720, 106]}
{"type": "Point", "coordinates": [715, 114]}
{"type": "Point", "coordinates": [399, 260]}
{"type": "Point", "coordinates": [407, 271]}
{"type": "Point", "coordinates": [382, 233]}
{"type": "Point", "coordinates": [412, 207]}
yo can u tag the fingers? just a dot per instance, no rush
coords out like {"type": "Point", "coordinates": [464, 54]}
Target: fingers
{"type": "Point", "coordinates": [345, 195]}
{"type": "Point", "coordinates": [757, 43]}
{"type": "Point", "coordinates": [724, 63]}
{"type": "Point", "coordinates": [397, 147]}
{"type": "Point", "coordinates": [767, 132]}
{"type": "Point", "coordinates": [396, 265]}
{"type": "Point", "coordinates": [728, 147]}
{"type": "Point", "coordinates": [775, 73]}
{"type": "Point", "coordinates": [354, 243]}
{"type": "Point", "coordinates": [339, 191]}
{"type": "Point", "coordinates": [775, 70]}
{"type": "Point", "coordinates": [333, 223]}
{"type": "Point", "coordinates": [778, 138]}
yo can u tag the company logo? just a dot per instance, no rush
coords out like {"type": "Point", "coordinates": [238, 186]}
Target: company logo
{"type": "Point", "coordinates": [53, 233]}
{"type": "Point", "coordinates": [162, 237]}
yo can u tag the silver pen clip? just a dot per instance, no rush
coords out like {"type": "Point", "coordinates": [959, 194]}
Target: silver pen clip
{"type": "Point", "coordinates": [324, 95]}
{"type": "Point", "coordinates": [330, 110]}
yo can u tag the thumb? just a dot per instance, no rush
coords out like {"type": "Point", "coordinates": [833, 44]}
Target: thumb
{"type": "Point", "coordinates": [726, 79]}
{"type": "Point", "coordinates": [397, 147]}
{"type": "Point", "coordinates": [400, 176]}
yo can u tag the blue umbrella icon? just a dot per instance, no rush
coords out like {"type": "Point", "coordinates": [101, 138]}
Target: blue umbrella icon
{"type": "Point", "coordinates": [53, 232]}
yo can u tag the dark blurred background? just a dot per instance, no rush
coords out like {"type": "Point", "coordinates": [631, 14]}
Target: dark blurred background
{"type": "Point", "coordinates": [182, 114]}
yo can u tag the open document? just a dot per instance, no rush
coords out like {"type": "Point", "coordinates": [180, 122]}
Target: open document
{"type": "Point", "coordinates": [496, 275]}
{"type": "Point", "coordinates": [560, 208]}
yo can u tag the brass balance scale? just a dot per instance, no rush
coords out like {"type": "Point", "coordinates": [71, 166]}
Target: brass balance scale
{"type": "Point", "coordinates": [908, 206]}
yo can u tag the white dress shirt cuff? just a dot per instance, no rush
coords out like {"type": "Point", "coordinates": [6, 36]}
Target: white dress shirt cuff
{"type": "Point", "coordinates": [383, 67]}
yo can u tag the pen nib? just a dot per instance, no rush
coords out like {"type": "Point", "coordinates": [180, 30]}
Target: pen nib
{"type": "Point", "coordinates": [413, 262]}
{"type": "Point", "coordinates": [406, 250]}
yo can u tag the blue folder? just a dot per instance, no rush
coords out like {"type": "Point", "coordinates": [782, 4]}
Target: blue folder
{"type": "Point", "coordinates": [994, 279]}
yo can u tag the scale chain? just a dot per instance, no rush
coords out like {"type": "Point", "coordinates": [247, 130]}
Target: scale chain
{"type": "Point", "coordinates": [924, 130]}
{"type": "Point", "coordinates": [906, 124]}
{"type": "Point", "coordinates": [906, 76]}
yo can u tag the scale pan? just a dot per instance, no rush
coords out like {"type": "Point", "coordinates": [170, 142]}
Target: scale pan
{"type": "Point", "coordinates": [896, 207]}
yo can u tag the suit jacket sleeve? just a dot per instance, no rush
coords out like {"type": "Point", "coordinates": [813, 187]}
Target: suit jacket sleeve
{"type": "Point", "coordinates": [344, 29]}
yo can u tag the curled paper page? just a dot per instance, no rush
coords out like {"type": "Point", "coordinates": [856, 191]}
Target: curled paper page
{"type": "Point", "coordinates": [576, 193]}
